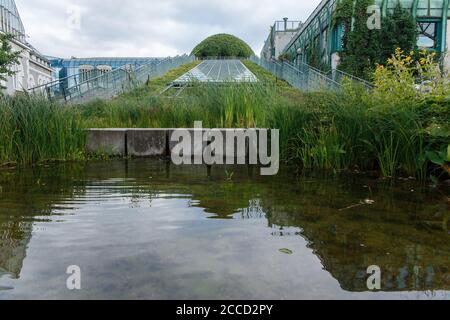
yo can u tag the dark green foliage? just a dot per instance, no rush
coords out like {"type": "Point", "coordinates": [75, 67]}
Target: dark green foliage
{"type": "Point", "coordinates": [223, 45]}
{"type": "Point", "coordinates": [285, 57]}
{"type": "Point", "coordinates": [8, 58]}
{"type": "Point", "coordinates": [364, 48]}
{"type": "Point", "coordinates": [32, 129]}
{"type": "Point", "coordinates": [399, 30]}
{"type": "Point", "coordinates": [361, 45]}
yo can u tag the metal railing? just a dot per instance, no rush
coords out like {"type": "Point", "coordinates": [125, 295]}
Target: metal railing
{"type": "Point", "coordinates": [307, 78]}
{"type": "Point", "coordinates": [302, 77]}
{"type": "Point", "coordinates": [110, 84]}
{"type": "Point", "coordinates": [340, 76]}
{"type": "Point", "coordinates": [220, 58]}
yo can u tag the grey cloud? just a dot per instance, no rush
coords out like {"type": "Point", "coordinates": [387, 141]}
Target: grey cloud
{"type": "Point", "coordinates": [150, 28]}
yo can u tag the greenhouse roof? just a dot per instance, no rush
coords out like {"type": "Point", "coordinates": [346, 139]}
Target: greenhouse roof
{"type": "Point", "coordinates": [218, 71]}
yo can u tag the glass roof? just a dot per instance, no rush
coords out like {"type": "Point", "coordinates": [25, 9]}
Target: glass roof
{"type": "Point", "coordinates": [113, 62]}
{"type": "Point", "coordinates": [10, 20]}
{"type": "Point", "coordinates": [218, 71]}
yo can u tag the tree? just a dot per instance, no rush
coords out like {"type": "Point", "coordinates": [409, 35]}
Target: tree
{"type": "Point", "coordinates": [8, 57]}
{"type": "Point", "coordinates": [361, 46]}
{"type": "Point", "coordinates": [399, 31]}
{"type": "Point", "coordinates": [223, 45]}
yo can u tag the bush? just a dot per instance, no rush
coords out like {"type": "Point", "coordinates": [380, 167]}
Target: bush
{"type": "Point", "coordinates": [223, 45]}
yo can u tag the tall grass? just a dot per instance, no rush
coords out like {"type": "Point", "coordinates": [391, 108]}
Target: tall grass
{"type": "Point", "coordinates": [344, 130]}
{"type": "Point", "coordinates": [33, 130]}
{"type": "Point", "coordinates": [234, 105]}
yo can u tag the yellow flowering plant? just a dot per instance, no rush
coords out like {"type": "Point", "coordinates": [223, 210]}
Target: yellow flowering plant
{"type": "Point", "coordinates": [410, 76]}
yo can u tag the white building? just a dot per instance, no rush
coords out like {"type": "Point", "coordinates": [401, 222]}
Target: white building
{"type": "Point", "coordinates": [281, 33]}
{"type": "Point", "coordinates": [33, 68]}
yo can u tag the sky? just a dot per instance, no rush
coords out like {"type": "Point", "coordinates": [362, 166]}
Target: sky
{"type": "Point", "coordinates": [149, 28]}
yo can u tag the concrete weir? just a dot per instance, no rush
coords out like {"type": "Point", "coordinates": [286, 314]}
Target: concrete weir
{"type": "Point", "coordinates": [147, 142]}
{"type": "Point", "coordinates": [107, 141]}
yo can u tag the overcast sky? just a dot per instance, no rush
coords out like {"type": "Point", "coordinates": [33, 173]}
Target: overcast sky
{"type": "Point", "coordinates": [149, 28]}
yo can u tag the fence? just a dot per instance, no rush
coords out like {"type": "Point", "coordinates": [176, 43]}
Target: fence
{"type": "Point", "coordinates": [307, 78]}
{"type": "Point", "coordinates": [303, 77]}
{"type": "Point", "coordinates": [112, 83]}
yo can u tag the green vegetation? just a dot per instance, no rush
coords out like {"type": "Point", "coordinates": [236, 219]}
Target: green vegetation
{"type": "Point", "coordinates": [8, 57]}
{"type": "Point", "coordinates": [395, 129]}
{"type": "Point", "coordinates": [222, 45]}
{"type": "Point", "coordinates": [364, 48]}
{"type": "Point", "coordinates": [33, 130]}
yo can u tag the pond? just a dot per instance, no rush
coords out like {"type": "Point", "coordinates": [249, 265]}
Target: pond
{"type": "Point", "coordinates": [146, 229]}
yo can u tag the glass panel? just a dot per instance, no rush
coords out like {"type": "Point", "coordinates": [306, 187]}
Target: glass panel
{"type": "Point", "coordinates": [427, 35]}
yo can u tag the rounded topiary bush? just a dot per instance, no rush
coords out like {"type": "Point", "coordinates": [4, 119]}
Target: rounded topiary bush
{"type": "Point", "coordinates": [222, 45]}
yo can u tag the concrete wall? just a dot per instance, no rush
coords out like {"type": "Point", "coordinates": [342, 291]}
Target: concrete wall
{"type": "Point", "coordinates": [149, 142]}
{"type": "Point", "coordinates": [282, 39]}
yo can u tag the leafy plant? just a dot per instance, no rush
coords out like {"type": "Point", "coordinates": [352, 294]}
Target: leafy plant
{"type": "Point", "coordinates": [364, 48]}
{"type": "Point", "coordinates": [439, 158]}
{"type": "Point", "coordinates": [8, 57]}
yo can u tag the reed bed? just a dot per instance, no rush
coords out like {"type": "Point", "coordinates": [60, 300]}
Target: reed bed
{"type": "Point", "coordinates": [348, 130]}
{"type": "Point", "coordinates": [32, 130]}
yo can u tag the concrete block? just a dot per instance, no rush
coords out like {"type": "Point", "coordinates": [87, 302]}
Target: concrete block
{"type": "Point", "coordinates": [197, 146]}
{"type": "Point", "coordinates": [106, 141]}
{"type": "Point", "coordinates": [147, 142]}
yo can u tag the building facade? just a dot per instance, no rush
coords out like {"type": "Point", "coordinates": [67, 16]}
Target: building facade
{"type": "Point", "coordinates": [33, 68]}
{"type": "Point", "coordinates": [319, 32]}
{"type": "Point", "coordinates": [280, 34]}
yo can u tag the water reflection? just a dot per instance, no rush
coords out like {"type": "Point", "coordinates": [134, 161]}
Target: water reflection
{"type": "Point", "coordinates": [405, 232]}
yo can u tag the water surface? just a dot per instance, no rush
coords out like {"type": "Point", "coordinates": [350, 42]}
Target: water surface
{"type": "Point", "coordinates": [149, 230]}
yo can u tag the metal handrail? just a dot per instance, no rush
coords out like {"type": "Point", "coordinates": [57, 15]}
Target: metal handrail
{"type": "Point", "coordinates": [114, 82]}
{"type": "Point", "coordinates": [78, 76]}
{"type": "Point", "coordinates": [305, 78]}
{"type": "Point", "coordinates": [314, 70]}
{"type": "Point", "coordinates": [220, 58]}
{"type": "Point", "coordinates": [351, 77]}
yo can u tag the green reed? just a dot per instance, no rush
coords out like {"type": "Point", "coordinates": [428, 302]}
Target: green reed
{"type": "Point", "coordinates": [33, 130]}
{"type": "Point", "coordinates": [344, 130]}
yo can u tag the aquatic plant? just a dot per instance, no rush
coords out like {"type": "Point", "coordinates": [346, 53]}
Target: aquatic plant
{"type": "Point", "coordinates": [348, 130]}
{"type": "Point", "coordinates": [32, 129]}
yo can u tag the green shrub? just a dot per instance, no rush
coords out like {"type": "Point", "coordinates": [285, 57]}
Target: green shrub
{"type": "Point", "coordinates": [223, 45]}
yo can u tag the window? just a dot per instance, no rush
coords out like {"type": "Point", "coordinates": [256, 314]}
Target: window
{"type": "Point", "coordinates": [324, 48]}
{"type": "Point", "coordinates": [428, 37]}
{"type": "Point", "coordinates": [336, 38]}
{"type": "Point", "coordinates": [86, 72]}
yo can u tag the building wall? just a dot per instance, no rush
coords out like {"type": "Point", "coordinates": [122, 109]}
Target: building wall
{"type": "Point", "coordinates": [32, 70]}
{"type": "Point", "coordinates": [281, 33]}
{"type": "Point", "coordinates": [319, 32]}
{"type": "Point", "coordinates": [281, 41]}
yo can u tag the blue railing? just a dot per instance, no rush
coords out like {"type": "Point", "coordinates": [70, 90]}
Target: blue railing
{"type": "Point", "coordinates": [110, 84]}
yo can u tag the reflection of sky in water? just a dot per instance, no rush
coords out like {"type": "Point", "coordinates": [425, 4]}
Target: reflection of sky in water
{"type": "Point", "coordinates": [161, 239]}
